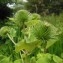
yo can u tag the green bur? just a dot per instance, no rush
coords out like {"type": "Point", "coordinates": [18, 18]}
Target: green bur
{"type": "Point", "coordinates": [20, 17]}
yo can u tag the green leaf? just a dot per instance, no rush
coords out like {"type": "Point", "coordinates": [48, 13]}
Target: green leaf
{"type": "Point", "coordinates": [5, 60]}
{"type": "Point", "coordinates": [44, 58]}
{"type": "Point", "coordinates": [12, 32]}
{"type": "Point", "coordinates": [54, 32]}
{"type": "Point", "coordinates": [33, 60]}
{"type": "Point", "coordinates": [48, 58]}
{"type": "Point", "coordinates": [51, 42]}
{"type": "Point", "coordinates": [28, 47]}
{"type": "Point", "coordinates": [28, 36]}
{"type": "Point", "coordinates": [57, 59]}
{"type": "Point", "coordinates": [1, 57]}
{"type": "Point", "coordinates": [18, 61]}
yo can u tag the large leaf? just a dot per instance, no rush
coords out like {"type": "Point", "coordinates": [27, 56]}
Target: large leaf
{"type": "Point", "coordinates": [54, 32]}
{"type": "Point", "coordinates": [28, 47]}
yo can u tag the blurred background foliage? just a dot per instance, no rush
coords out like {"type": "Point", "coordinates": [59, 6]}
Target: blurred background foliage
{"type": "Point", "coordinates": [45, 6]}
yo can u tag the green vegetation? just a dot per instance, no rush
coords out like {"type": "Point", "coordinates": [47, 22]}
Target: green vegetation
{"type": "Point", "coordinates": [30, 38]}
{"type": "Point", "coordinates": [44, 7]}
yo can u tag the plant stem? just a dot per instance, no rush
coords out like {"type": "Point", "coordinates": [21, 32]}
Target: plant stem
{"type": "Point", "coordinates": [21, 57]}
{"type": "Point", "coordinates": [11, 39]}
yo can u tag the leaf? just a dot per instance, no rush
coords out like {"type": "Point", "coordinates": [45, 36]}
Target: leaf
{"type": "Point", "coordinates": [51, 42]}
{"type": "Point", "coordinates": [44, 58]}
{"type": "Point", "coordinates": [57, 59]}
{"type": "Point", "coordinates": [18, 61]}
{"type": "Point", "coordinates": [29, 37]}
{"type": "Point", "coordinates": [28, 47]}
{"type": "Point", "coordinates": [48, 58]}
{"type": "Point", "coordinates": [5, 60]}
{"type": "Point", "coordinates": [33, 60]}
{"type": "Point", "coordinates": [12, 32]}
{"type": "Point", "coordinates": [1, 57]}
{"type": "Point", "coordinates": [54, 32]}
{"type": "Point", "coordinates": [62, 55]}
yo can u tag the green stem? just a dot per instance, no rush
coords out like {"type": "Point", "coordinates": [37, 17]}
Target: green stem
{"type": "Point", "coordinates": [21, 57]}
{"type": "Point", "coordinates": [45, 50]}
{"type": "Point", "coordinates": [11, 39]}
